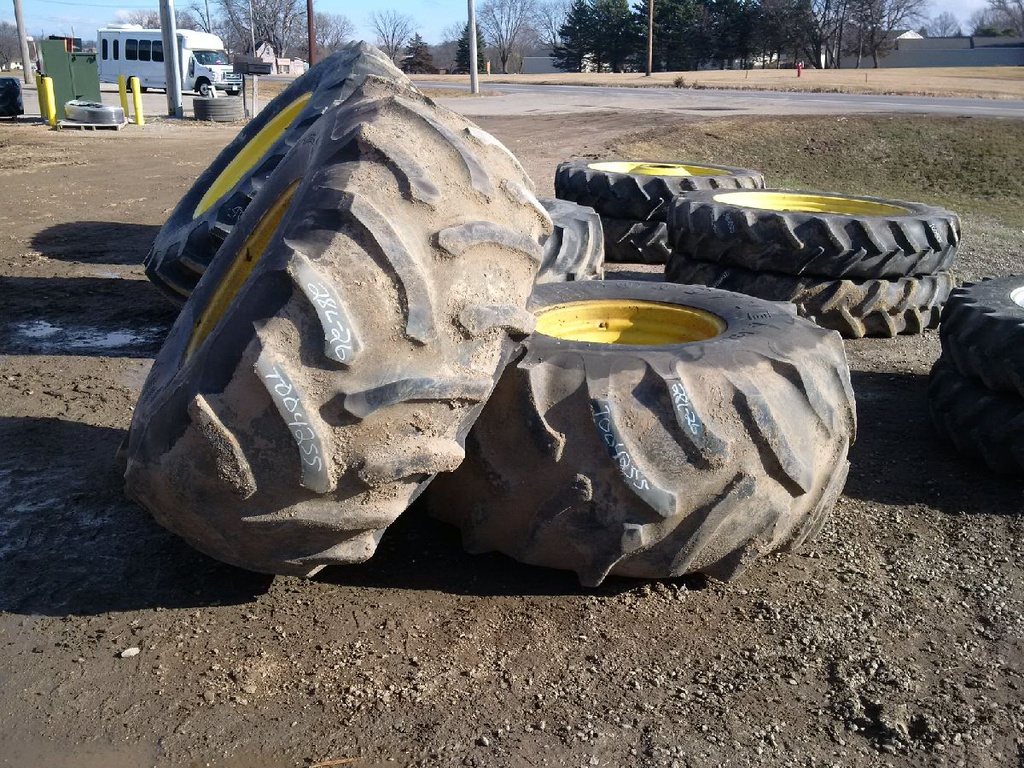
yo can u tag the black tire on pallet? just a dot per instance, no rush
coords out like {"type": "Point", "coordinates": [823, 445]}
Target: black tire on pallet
{"type": "Point", "coordinates": [855, 308]}
{"type": "Point", "coordinates": [93, 113]}
{"type": "Point", "coordinates": [814, 233]}
{"type": "Point", "coordinates": [209, 210]}
{"type": "Point", "coordinates": [635, 242]}
{"type": "Point", "coordinates": [982, 332]}
{"type": "Point", "coordinates": [658, 430]}
{"type": "Point", "coordinates": [642, 190]}
{"type": "Point", "coordinates": [344, 339]}
{"type": "Point", "coordinates": [980, 423]}
{"type": "Point", "coordinates": [575, 250]}
{"type": "Point", "coordinates": [223, 109]}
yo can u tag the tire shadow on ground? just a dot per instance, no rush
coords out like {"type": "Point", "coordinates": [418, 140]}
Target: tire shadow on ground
{"type": "Point", "coordinates": [71, 543]}
{"type": "Point", "coordinates": [420, 553]}
{"type": "Point", "coordinates": [96, 242]}
{"type": "Point", "coordinates": [900, 459]}
{"type": "Point", "coordinates": [88, 316]}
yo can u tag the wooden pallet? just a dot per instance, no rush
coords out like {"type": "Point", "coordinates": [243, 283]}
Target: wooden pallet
{"type": "Point", "coordinates": [91, 126]}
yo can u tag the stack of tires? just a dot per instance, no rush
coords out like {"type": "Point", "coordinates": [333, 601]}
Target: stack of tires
{"type": "Point", "coordinates": [362, 272]}
{"type": "Point", "coordinates": [633, 198]}
{"type": "Point", "coordinates": [858, 265]}
{"type": "Point", "coordinates": [976, 390]}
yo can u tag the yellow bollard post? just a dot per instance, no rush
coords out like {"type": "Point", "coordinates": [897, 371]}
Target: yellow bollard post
{"type": "Point", "coordinates": [49, 102]}
{"type": "Point", "coordinates": [123, 92]}
{"type": "Point", "coordinates": [140, 119]}
{"type": "Point", "coordinates": [39, 95]}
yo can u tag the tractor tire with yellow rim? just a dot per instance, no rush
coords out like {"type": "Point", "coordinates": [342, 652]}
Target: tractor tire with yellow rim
{"type": "Point", "coordinates": [641, 190]}
{"type": "Point", "coordinates": [654, 430]}
{"type": "Point", "coordinates": [818, 234]}
{"type": "Point", "coordinates": [343, 340]}
{"type": "Point", "coordinates": [209, 211]}
{"type": "Point", "coordinates": [855, 308]}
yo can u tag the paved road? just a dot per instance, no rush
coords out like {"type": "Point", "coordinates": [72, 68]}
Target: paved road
{"type": "Point", "coordinates": [555, 99]}
{"type": "Point", "coordinates": [566, 99]}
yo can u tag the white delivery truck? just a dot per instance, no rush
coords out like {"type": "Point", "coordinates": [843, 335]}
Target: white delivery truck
{"type": "Point", "coordinates": [130, 50]}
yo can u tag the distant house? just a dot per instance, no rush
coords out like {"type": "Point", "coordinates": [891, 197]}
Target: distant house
{"type": "Point", "coordinates": [281, 65]}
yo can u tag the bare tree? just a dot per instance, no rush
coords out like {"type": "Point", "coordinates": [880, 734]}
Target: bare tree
{"type": "Point", "coordinates": [943, 25]}
{"type": "Point", "coordinates": [151, 19]}
{"type": "Point", "coordinates": [876, 20]}
{"type": "Point", "coordinates": [282, 23]}
{"type": "Point", "coordinates": [506, 24]}
{"type": "Point", "coordinates": [332, 31]}
{"type": "Point", "coordinates": [550, 18]}
{"type": "Point", "coordinates": [1013, 11]}
{"type": "Point", "coordinates": [10, 47]}
{"type": "Point", "coordinates": [393, 31]}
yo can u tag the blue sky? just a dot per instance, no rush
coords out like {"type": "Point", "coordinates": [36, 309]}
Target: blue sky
{"type": "Point", "coordinates": [432, 16]}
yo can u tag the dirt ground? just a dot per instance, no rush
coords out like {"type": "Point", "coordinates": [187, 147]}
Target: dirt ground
{"type": "Point", "coordinates": [895, 639]}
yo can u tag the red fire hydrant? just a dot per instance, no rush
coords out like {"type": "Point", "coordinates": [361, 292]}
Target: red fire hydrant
{"type": "Point", "coordinates": [799, 68]}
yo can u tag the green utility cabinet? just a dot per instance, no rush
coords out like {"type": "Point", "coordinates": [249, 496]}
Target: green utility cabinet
{"type": "Point", "coordinates": [75, 75]}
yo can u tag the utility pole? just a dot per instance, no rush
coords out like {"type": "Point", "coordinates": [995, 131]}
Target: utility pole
{"type": "Point", "coordinates": [209, 24]}
{"type": "Point", "coordinates": [172, 66]}
{"type": "Point", "coordinates": [650, 36]}
{"type": "Point", "coordinates": [26, 65]}
{"type": "Point", "coordinates": [310, 32]}
{"type": "Point", "coordinates": [474, 85]}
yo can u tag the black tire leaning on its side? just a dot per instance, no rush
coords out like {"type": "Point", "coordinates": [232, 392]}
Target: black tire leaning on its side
{"type": "Point", "coordinates": [635, 242]}
{"type": "Point", "coordinates": [638, 196]}
{"type": "Point", "coordinates": [855, 308]}
{"type": "Point", "coordinates": [189, 239]}
{"type": "Point", "coordinates": [980, 423]}
{"type": "Point", "coordinates": [920, 240]}
{"type": "Point", "coordinates": [982, 332]}
{"type": "Point", "coordinates": [657, 461]}
{"type": "Point", "coordinates": [296, 411]}
{"type": "Point", "coordinates": [575, 250]}
{"type": "Point", "coordinates": [222, 109]}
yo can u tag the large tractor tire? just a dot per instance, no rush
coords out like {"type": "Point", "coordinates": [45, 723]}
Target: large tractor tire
{"type": "Point", "coordinates": [209, 211]}
{"type": "Point", "coordinates": [642, 190]}
{"type": "Point", "coordinates": [814, 234]}
{"type": "Point", "coordinates": [982, 332]}
{"type": "Point", "coordinates": [855, 308]}
{"type": "Point", "coordinates": [221, 109]}
{"type": "Point", "coordinates": [635, 242]}
{"type": "Point", "coordinates": [654, 430]}
{"type": "Point", "coordinates": [344, 339]}
{"type": "Point", "coordinates": [575, 250]}
{"type": "Point", "coordinates": [980, 423]}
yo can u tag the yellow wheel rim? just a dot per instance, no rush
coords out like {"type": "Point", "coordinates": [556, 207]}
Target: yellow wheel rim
{"type": "Point", "coordinates": [622, 321]}
{"type": "Point", "coordinates": [810, 203]}
{"type": "Point", "coordinates": [656, 169]}
{"type": "Point", "coordinates": [250, 154]}
{"type": "Point", "coordinates": [246, 259]}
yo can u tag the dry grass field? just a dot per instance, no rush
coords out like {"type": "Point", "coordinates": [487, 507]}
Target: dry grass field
{"type": "Point", "coordinates": [981, 82]}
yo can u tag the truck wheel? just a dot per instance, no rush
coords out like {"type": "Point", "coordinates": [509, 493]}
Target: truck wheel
{"type": "Point", "coordinates": [204, 89]}
{"type": "Point", "coordinates": [855, 308]}
{"type": "Point", "coordinates": [344, 339]}
{"type": "Point", "coordinates": [635, 242]}
{"type": "Point", "coordinates": [979, 422]}
{"type": "Point", "coordinates": [209, 210]}
{"type": "Point", "coordinates": [575, 250]}
{"type": "Point", "coordinates": [655, 430]}
{"type": "Point", "coordinates": [982, 332]}
{"type": "Point", "coordinates": [642, 190]}
{"type": "Point", "coordinates": [814, 233]}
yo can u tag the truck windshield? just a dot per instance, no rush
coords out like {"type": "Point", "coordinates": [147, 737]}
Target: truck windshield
{"type": "Point", "coordinates": [206, 58]}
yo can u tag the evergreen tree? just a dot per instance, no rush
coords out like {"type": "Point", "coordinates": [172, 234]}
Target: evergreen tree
{"type": "Point", "coordinates": [418, 60]}
{"type": "Point", "coordinates": [462, 54]}
{"type": "Point", "coordinates": [577, 38]}
{"type": "Point", "coordinates": [617, 35]}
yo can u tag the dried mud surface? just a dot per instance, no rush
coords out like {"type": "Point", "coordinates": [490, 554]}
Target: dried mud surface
{"type": "Point", "coordinates": [894, 639]}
